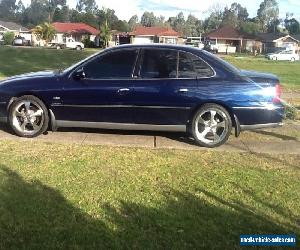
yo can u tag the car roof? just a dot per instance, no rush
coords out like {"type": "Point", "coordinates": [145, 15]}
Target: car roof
{"type": "Point", "coordinates": [157, 45]}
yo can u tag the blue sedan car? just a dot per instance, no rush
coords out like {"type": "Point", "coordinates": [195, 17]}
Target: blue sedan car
{"type": "Point", "coordinates": [144, 87]}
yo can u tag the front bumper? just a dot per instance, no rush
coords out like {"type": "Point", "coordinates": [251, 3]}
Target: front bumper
{"type": "Point", "coordinates": [3, 112]}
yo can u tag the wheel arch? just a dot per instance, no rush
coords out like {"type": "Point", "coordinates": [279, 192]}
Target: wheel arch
{"type": "Point", "coordinates": [16, 96]}
{"type": "Point", "coordinates": [233, 117]}
{"type": "Point", "coordinates": [52, 121]}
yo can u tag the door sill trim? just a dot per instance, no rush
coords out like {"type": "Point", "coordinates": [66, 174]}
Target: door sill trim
{"type": "Point", "coordinates": [120, 126]}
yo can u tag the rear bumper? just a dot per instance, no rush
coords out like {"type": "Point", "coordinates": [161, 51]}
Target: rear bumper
{"type": "Point", "coordinates": [260, 126]}
{"type": "Point", "coordinates": [259, 116]}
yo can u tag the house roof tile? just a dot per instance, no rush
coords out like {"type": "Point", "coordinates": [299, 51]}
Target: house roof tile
{"type": "Point", "coordinates": [228, 32]}
{"type": "Point", "coordinates": [81, 28]}
{"type": "Point", "coordinates": [154, 31]}
{"type": "Point", "coordinates": [13, 26]}
{"type": "Point", "coordinates": [270, 37]}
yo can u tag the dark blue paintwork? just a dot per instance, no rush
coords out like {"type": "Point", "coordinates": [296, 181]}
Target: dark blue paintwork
{"type": "Point", "coordinates": [246, 94]}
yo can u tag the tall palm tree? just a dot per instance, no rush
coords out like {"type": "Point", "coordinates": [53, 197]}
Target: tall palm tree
{"type": "Point", "coordinates": [45, 31]}
{"type": "Point", "coordinates": [105, 33]}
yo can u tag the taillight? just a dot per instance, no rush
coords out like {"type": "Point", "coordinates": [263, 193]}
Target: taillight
{"type": "Point", "coordinates": [276, 98]}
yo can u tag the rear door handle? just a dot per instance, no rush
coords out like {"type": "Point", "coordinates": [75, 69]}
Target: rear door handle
{"type": "Point", "coordinates": [182, 90]}
{"type": "Point", "coordinates": [123, 91]}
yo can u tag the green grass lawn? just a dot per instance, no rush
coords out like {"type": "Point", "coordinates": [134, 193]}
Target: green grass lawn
{"type": "Point", "coordinates": [20, 60]}
{"type": "Point", "coordinates": [91, 197]}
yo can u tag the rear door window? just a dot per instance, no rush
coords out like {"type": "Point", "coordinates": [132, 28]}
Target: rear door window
{"type": "Point", "coordinates": [159, 63]}
{"type": "Point", "coordinates": [192, 66]}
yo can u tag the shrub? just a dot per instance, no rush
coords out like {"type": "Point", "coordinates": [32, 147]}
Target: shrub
{"type": "Point", "coordinates": [291, 112]}
{"type": "Point", "coordinates": [88, 43]}
{"type": "Point", "coordinates": [8, 38]}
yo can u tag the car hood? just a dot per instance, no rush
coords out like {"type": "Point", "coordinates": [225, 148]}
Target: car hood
{"type": "Point", "coordinates": [40, 74]}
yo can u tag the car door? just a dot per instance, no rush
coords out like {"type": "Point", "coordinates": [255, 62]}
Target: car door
{"type": "Point", "coordinates": [165, 88]}
{"type": "Point", "coordinates": [284, 55]}
{"type": "Point", "coordinates": [104, 93]}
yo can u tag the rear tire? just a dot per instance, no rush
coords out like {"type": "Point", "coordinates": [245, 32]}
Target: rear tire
{"type": "Point", "coordinates": [78, 48]}
{"type": "Point", "coordinates": [211, 125]}
{"type": "Point", "coordinates": [292, 59]}
{"type": "Point", "coordinates": [28, 116]}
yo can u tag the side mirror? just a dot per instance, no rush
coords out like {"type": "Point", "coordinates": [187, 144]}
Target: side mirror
{"type": "Point", "coordinates": [79, 74]}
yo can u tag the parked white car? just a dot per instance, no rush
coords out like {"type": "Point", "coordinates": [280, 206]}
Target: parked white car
{"type": "Point", "coordinates": [70, 43]}
{"type": "Point", "coordinates": [285, 55]}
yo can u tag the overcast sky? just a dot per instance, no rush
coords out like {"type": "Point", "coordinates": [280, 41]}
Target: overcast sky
{"type": "Point", "coordinates": [127, 8]}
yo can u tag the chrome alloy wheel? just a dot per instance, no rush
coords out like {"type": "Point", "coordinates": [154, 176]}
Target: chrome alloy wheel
{"type": "Point", "coordinates": [28, 117]}
{"type": "Point", "coordinates": [211, 126]}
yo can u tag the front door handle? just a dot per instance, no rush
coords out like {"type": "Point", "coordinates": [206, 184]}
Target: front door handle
{"type": "Point", "coordinates": [123, 91]}
{"type": "Point", "coordinates": [183, 90]}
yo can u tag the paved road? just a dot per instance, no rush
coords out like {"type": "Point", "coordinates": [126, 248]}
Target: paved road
{"type": "Point", "coordinates": [262, 142]}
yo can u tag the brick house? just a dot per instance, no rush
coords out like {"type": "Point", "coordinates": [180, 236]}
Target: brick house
{"type": "Point", "coordinates": [273, 41]}
{"type": "Point", "coordinates": [228, 39]}
{"type": "Point", "coordinates": [77, 31]}
{"type": "Point", "coordinates": [17, 29]}
{"type": "Point", "coordinates": [141, 35]}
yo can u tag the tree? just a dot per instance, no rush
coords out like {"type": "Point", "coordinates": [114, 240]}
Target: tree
{"type": "Point", "coordinates": [36, 13]}
{"type": "Point", "coordinates": [160, 21]}
{"type": "Point", "coordinates": [133, 21]}
{"type": "Point", "coordinates": [291, 24]}
{"type": "Point", "coordinates": [148, 19]}
{"type": "Point", "coordinates": [19, 12]}
{"type": "Point", "coordinates": [235, 15]}
{"type": "Point", "coordinates": [229, 17]}
{"type": "Point", "coordinates": [7, 9]}
{"type": "Point", "coordinates": [45, 32]}
{"type": "Point", "coordinates": [109, 16]}
{"type": "Point", "coordinates": [88, 6]}
{"type": "Point", "coordinates": [215, 18]}
{"type": "Point", "coordinates": [241, 12]}
{"type": "Point", "coordinates": [193, 26]}
{"type": "Point", "coordinates": [251, 27]}
{"type": "Point", "coordinates": [274, 26]}
{"type": "Point", "coordinates": [267, 14]}
{"type": "Point", "coordinates": [121, 26]}
{"type": "Point", "coordinates": [179, 23]}
{"type": "Point", "coordinates": [52, 6]}
{"type": "Point", "coordinates": [61, 14]}
{"type": "Point", "coordinates": [8, 38]}
{"type": "Point", "coordinates": [83, 17]}
{"type": "Point", "coordinates": [105, 34]}
{"type": "Point", "coordinates": [20, 7]}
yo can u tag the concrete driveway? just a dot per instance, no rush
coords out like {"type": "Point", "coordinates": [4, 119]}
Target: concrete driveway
{"type": "Point", "coordinates": [285, 140]}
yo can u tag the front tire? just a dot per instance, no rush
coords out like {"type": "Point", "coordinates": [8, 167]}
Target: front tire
{"type": "Point", "coordinates": [78, 48]}
{"type": "Point", "coordinates": [28, 116]}
{"type": "Point", "coordinates": [211, 125]}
